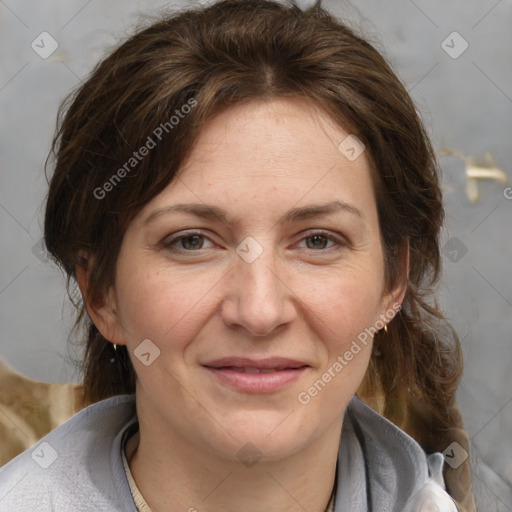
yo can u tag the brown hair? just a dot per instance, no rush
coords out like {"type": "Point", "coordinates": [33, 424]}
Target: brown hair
{"type": "Point", "coordinates": [240, 51]}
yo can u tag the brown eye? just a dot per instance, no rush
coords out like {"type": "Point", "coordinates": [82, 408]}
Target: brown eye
{"type": "Point", "coordinates": [319, 241]}
{"type": "Point", "coordinates": [190, 242]}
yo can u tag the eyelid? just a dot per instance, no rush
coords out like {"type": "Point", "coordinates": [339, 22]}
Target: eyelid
{"type": "Point", "coordinates": [169, 240]}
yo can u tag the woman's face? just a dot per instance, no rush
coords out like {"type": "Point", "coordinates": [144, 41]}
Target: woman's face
{"type": "Point", "coordinates": [271, 262]}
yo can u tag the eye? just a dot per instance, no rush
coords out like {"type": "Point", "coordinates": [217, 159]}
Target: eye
{"type": "Point", "coordinates": [189, 242]}
{"type": "Point", "coordinates": [318, 240]}
{"type": "Point", "coordinates": [196, 240]}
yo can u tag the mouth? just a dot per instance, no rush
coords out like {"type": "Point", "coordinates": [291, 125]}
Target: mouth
{"type": "Point", "coordinates": [256, 376]}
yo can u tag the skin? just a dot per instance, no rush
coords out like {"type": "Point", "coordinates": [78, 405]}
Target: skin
{"type": "Point", "coordinates": [196, 300]}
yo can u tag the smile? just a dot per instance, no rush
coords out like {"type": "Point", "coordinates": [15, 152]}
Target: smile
{"type": "Point", "coordinates": [250, 376]}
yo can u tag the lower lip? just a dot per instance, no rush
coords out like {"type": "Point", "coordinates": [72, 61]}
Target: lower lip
{"type": "Point", "coordinates": [257, 382]}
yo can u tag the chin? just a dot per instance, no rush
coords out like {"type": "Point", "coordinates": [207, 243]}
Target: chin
{"type": "Point", "coordinates": [266, 435]}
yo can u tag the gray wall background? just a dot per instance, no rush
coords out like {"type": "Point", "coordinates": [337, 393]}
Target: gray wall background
{"type": "Point", "coordinates": [463, 94]}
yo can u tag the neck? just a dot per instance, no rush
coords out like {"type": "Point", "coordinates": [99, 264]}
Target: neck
{"type": "Point", "coordinates": [175, 476]}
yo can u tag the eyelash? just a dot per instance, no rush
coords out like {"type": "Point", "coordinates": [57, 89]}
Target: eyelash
{"type": "Point", "coordinates": [168, 243]}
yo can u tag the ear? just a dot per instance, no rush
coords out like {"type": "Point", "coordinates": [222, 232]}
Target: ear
{"type": "Point", "coordinates": [102, 312]}
{"type": "Point", "coordinates": [396, 295]}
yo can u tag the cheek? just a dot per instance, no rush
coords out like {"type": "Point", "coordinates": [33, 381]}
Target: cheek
{"type": "Point", "coordinates": [347, 301]}
{"type": "Point", "coordinates": [159, 305]}
{"type": "Point", "coordinates": [345, 349]}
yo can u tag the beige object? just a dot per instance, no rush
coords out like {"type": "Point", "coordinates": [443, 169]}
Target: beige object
{"type": "Point", "coordinates": [30, 409]}
{"type": "Point", "coordinates": [476, 172]}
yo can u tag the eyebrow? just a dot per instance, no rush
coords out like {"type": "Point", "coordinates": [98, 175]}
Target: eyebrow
{"type": "Point", "coordinates": [214, 213]}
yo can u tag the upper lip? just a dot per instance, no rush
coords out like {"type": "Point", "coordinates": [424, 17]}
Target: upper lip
{"type": "Point", "coordinates": [244, 362]}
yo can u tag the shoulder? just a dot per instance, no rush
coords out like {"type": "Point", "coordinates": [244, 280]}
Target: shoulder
{"type": "Point", "coordinates": [77, 466]}
{"type": "Point", "coordinates": [395, 468]}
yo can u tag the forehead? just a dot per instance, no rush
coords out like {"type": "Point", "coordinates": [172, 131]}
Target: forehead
{"type": "Point", "coordinates": [263, 156]}
{"type": "Point", "coordinates": [278, 132]}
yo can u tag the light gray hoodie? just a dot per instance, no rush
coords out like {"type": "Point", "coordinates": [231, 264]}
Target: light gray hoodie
{"type": "Point", "coordinates": [78, 466]}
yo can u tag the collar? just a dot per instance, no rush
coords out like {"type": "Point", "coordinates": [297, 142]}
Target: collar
{"type": "Point", "coordinates": [381, 468]}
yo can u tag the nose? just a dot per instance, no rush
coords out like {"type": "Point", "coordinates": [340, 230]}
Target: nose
{"type": "Point", "coordinates": [260, 299]}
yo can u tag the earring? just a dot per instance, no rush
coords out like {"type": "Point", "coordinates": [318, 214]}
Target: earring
{"type": "Point", "coordinates": [386, 328]}
{"type": "Point", "coordinates": [113, 359]}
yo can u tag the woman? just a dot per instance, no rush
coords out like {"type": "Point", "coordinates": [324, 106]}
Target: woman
{"type": "Point", "coordinates": [250, 206]}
